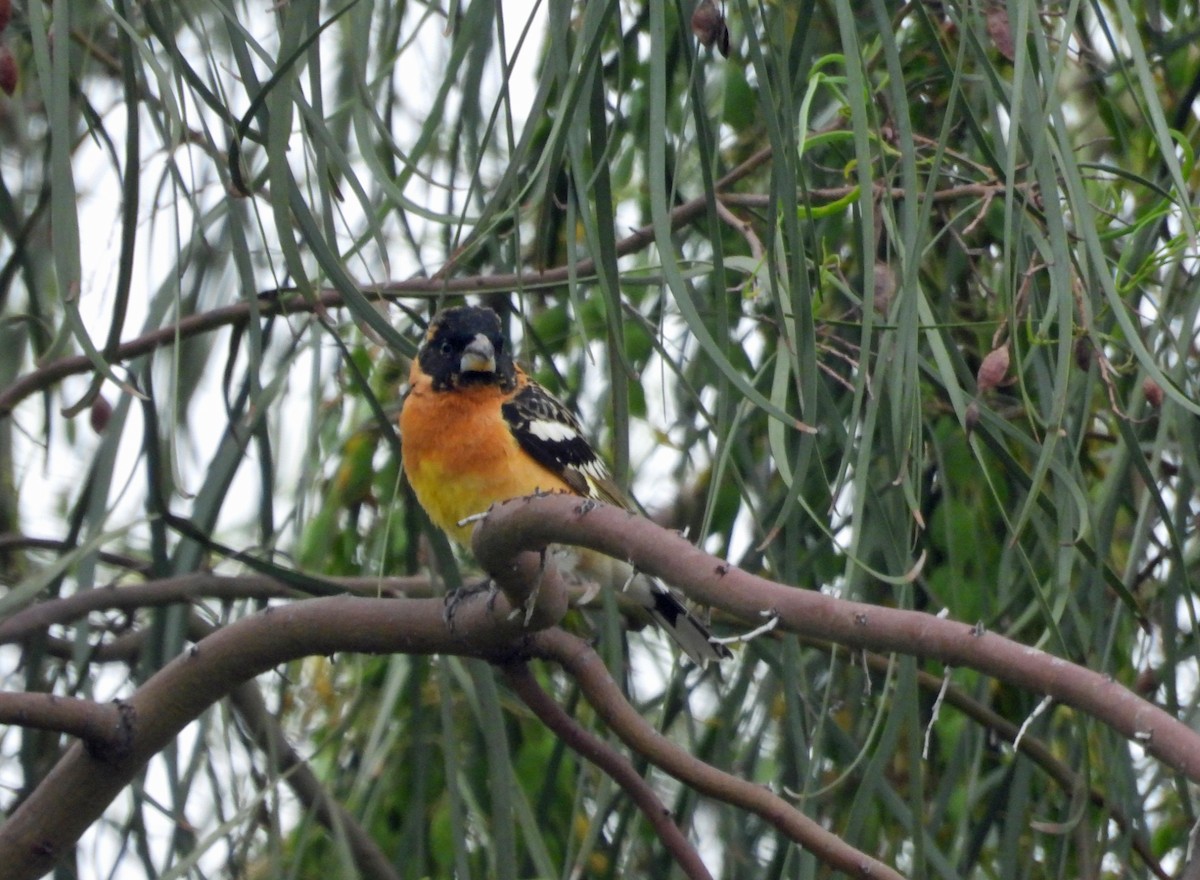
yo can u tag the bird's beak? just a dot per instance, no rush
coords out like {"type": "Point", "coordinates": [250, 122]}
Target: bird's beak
{"type": "Point", "coordinates": [479, 356]}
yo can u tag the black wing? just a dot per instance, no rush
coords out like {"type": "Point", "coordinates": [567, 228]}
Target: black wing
{"type": "Point", "coordinates": [551, 434]}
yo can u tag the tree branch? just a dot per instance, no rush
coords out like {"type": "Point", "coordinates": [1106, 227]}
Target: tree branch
{"type": "Point", "coordinates": [616, 765]}
{"type": "Point", "coordinates": [36, 619]}
{"type": "Point", "coordinates": [270, 739]}
{"type": "Point", "coordinates": [275, 303]}
{"type": "Point", "coordinates": [535, 522]}
{"type": "Point", "coordinates": [96, 723]}
{"type": "Point", "coordinates": [585, 665]}
{"type": "Point", "coordinates": [76, 792]}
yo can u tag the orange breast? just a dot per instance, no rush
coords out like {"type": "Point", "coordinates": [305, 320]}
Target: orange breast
{"type": "Point", "coordinates": [461, 458]}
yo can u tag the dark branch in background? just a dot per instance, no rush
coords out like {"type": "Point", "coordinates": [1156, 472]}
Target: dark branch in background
{"type": "Point", "coordinates": [277, 303]}
{"type": "Point", "coordinates": [270, 739]}
{"type": "Point", "coordinates": [36, 619]}
{"type": "Point", "coordinates": [598, 687]}
{"type": "Point", "coordinates": [522, 682]}
{"type": "Point", "coordinates": [536, 522]}
{"type": "Point", "coordinates": [11, 541]}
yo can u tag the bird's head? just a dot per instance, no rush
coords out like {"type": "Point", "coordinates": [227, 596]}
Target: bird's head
{"type": "Point", "coordinates": [464, 346]}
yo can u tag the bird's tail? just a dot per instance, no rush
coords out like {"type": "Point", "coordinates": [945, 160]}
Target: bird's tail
{"type": "Point", "coordinates": [657, 600]}
{"type": "Point", "coordinates": [684, 628]}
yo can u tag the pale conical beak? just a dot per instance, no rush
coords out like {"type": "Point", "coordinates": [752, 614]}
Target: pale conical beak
{"type": "Point", "coordinates": [479, 356]}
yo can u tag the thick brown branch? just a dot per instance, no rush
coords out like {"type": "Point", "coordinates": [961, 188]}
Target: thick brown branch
{"type": "Point", "coordinates": [83, 783]}
{"type": "Point", "coordinates": [616, 765]}
{"type": "Point", "coordinates": [536, 522]}
{"type": "Point", "coordinates": [582, 663]}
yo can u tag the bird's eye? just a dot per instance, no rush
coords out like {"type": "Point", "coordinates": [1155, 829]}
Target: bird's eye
{"type": "Point", "coordinates": [447, 348]}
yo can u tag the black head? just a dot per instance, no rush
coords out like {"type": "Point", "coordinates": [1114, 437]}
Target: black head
{"type": "Point", "coordinates": [464, 346]}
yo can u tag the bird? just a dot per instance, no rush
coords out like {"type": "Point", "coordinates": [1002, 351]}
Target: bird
{"type": "Point", "coordinates": [476, 430]}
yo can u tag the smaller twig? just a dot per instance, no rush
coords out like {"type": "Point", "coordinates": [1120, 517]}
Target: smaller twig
{"type": "Point", "coordinates": [616, 765]}
{"type": "Point", "coordinates": [757, 251]}
{"type": "Point", "coordinates": [772, 622]}
{"type": "Point", "coordinates": [97, 724]}
{"type": "Point", "coordinates": [980, 214]}
{"type": "Point", "coordinates": [11, 541]}
{"type": "Point", "coordinates": [269, 736]}
{"type": "Point", "coordinates": [1037, 710]}
{"type": "Point", "coordinates": [936, 711]}
{"type": "Point", "coordinates": [36, 619]}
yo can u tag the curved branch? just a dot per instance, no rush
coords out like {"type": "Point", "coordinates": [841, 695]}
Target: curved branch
{"type": "Point", "coordinates": [76, 792]}
{"type": "Point", "coordinates": [535, 522]}
{"type": "Point", "coordinates": [616, 765]}
{"type": "Point", "coordinates": [584, 664]}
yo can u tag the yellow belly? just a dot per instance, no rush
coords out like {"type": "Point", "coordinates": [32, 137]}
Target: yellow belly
{"type": "Point", "coordinates": [460, 457]}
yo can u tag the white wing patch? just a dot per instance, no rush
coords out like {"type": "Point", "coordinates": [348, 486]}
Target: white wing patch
{"type": "Point", "coordinates": [551, 431]}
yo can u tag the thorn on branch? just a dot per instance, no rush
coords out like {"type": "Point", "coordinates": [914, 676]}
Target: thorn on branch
{"type": "Point", "coordinates": [475, 517]}
{"type": "Point", "coordinates": [772, 621]}
{"type": "Point", "coordinates": [1037, 710]}
{"type": "Point", "coordinates": [936, 711]}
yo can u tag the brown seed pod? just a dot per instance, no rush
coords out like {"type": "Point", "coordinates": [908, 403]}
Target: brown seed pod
{"type": "Point", "coordinates": [1153, 392]}
{"type": "Point", "coordinates": [100, 413]}
{"type": "Point", "coordinates": [1000, 31]}
{"type": "Point", "coordinates": [993, 369]}
{"type": "Point", "coordinates": [9, 73]}
{"type": "Point", "coordinates": [709, 26]}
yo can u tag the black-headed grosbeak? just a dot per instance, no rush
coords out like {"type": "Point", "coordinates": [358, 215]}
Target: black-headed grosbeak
{"type": "Point", "coordinates": [476, 430]}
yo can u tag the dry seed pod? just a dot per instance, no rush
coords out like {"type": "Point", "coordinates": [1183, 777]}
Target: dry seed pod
{"type": "Point", "coordinates": [9, 74]}
{"type": "Point", "coordinates": [1153, 392]}
{"type": "Point", "coordinates": [993, 369]}
{"type": "Point", "coordinates": [100, 413]}
{"type": "Point", "coordinates": [709, 26]}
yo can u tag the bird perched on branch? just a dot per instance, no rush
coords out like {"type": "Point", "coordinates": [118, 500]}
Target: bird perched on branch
{"type": "Point", "coordinates": [476, 430]}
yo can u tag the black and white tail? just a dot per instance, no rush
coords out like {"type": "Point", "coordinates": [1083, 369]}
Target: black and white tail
{"type": "Point", "coordinates": [681, 625]}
